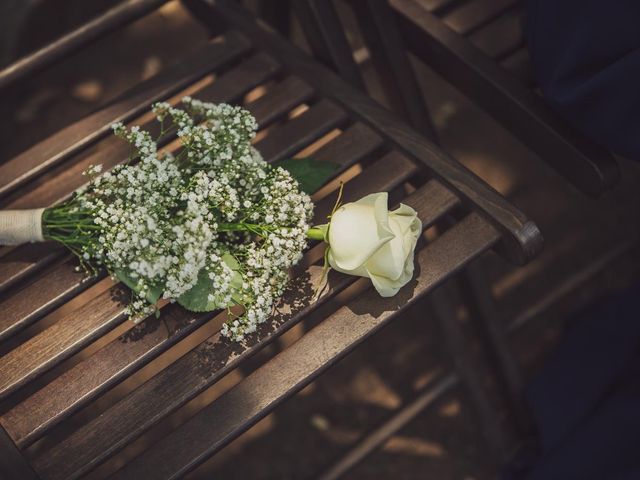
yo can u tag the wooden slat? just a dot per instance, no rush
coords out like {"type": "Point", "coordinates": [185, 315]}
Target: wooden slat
{"type": "Point", "coordinates": [59, 341]}
{"type": "Point", "coordinates": [24, 260]}
{"type": "Point", "coordinates": [64, 179]}
{"type": "Point", "coordinates": [302, 130]}
{"type": "Point", "coordinates": [502, 36]}
{"type": "Point", "coordinates": [39, 297]}
{"type": "Point", "coordinates": [591, 168]}
{"type": "Point", "coordinates": [471, 16]}
{"type": "Point", "coordinates": [522, 239]}
{"type": "Point", "coordinates": [436, 5]}
{"type": "Point", "coordinates": [31, 418]}
{"type": "Point", "coordinates": [287, 373]}
{"type": "Point", "coordinates": [357, 140]}
{"type": "Point", "coordinates": [289, 93]}
{"type": "Point", "coordinates": [116, 17]}
{"type": "Point", "coordinates": [519, 64]}
{"type": "Point", "coordinates": [203, 366]}
{"type": "Point", "coordinates": [88, 130]}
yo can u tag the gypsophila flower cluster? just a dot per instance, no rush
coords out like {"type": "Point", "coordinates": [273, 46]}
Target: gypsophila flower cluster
{"type": "Point", "coordinates": [210, 226]}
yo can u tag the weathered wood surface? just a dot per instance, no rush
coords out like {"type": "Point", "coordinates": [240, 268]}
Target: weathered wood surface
{"type": "Point", "coordinates": [71, 139]}
{"type": "Point", "coordinates": [241, 407]}
{"type": "Point", "coordinates": [206, 364]}
{"type": "Point", "coordinates": [30, 419]}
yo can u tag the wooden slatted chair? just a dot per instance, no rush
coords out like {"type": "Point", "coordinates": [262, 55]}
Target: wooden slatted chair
{"type": "Point", "coordinates": [478, 46]}
{"type": "Point", "coordinates": [41, 390]}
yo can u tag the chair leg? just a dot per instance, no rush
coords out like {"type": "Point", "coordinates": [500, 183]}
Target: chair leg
{"type": "Point", "coordinates": [469, 373]}
{"type": "Point", "coordinates": [481, 304]}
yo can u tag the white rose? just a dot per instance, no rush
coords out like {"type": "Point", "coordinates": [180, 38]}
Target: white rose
{"type": "Point", "coordinates": [367, 240]}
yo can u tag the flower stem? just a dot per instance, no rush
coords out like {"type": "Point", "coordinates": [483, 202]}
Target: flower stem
{"type": "Point", "coordinates": [316, 233]}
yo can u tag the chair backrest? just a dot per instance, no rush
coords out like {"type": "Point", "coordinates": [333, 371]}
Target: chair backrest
{"type": "Point", "coordinates": [471, 44]}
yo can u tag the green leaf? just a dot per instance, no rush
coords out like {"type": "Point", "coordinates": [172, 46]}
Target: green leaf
{"type": "Point", "coordinates": [309, 173]}
{"type": "Point", "coordinates": [196, 299]}
{"type": "Point", "coordinates": [152, 295]}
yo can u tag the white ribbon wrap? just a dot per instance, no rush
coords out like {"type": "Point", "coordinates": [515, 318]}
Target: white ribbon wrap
{"type": "Point", "coordinates": [21, 226]}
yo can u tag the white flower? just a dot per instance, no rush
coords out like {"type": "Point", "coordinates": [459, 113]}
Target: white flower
{"type": "Point", "coordinates": [367, 240]}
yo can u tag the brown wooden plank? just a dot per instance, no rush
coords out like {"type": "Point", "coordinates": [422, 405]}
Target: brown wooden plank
{"type": "Point", "coordinates": [500, 37]}
{"type": "Point", "coordinates": [116, 17]}
{"type": "Point", "coordinates": [391, 61]}
{"type": "Point", "coordinates": [39, 297]}
{"type": "Point", "coordinates": [64, 179]}
{"type": "Point", "coordinates": [321, 26]}
{"type": "Point", "coordinates": [522, 239]}
{"type": "Point", "coordinates": [22, 261]}
{"type": "Point", "coordinates": [436, 5]}
{"type": "Point", "coordinates": [203, 366]}
{"type": "Point", "coordinates": [69, 392]}
{"type": "Point", "coordinates": [519, 64]}
{"type": "Point", "coordinates": [357, 141]}
{"type": "Point", "coordinates": [588, 166]}
{"type": "Point", "coordinates": [472, 15]}
{"type": "Point", "coordinates": [79, 135]}
{"type": "Point", "coordinates": [290, 93]}
{"type": "Point", "coordinates": [59, 341]}
{"type": "Point", "coordinates": [288, 372]}
{"type": "Point", "coordinates": [312, 124]}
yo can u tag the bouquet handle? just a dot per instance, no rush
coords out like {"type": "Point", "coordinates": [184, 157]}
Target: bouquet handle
{"type": "Point", "coordinates": [21, 226]}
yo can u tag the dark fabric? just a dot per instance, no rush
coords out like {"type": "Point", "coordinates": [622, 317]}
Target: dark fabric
{"type": "Point", "coordinates": [586, 55]}
{"type": "Point", "coordinates": [586, 400]}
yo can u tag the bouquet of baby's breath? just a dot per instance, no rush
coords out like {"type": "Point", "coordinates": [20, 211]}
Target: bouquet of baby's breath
{"type": "Point", "coordinates": [210, 227]}
{"type": "Point", "coordinates": [214, 226]}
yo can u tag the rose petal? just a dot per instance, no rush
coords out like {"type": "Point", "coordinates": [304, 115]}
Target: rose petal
{"type": "Point", "coordinates": [357, 230]}
{"type": "Point", "coordinates": [389, 260]}
{"type": "Point", "coordinates": [387, 287]}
